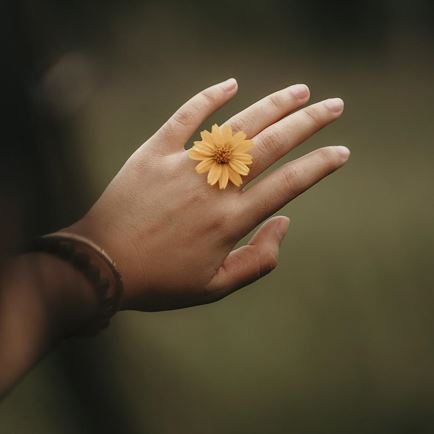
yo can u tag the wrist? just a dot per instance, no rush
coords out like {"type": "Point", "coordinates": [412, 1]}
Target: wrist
{"type": "Point", "coordinates": [70, 296]}
{"type": "Point", "coordinates": [106, 238]}
{"type": "Point", "coordinates": [95, 265]}
{"type": "Point", "coordinates": [65, 298]}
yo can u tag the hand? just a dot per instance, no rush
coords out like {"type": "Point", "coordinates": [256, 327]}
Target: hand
{"type": "Point", "coordinates": [172, 234]}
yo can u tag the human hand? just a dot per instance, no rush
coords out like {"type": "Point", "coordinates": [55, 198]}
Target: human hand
{"type": "Point", "coordinates": [172, 235]}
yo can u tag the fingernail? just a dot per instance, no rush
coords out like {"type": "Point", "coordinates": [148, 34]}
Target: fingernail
{"type": "Point", "coordinates": [300, 91]}
{"type": "Point", "coordinates": [343, 151]}
{"type": "Point", "coordinates": [229, 84]}
{"type": "Point", "coordinates": [335, 105]}
{"type": "Point", "coordinates": [282, 228]}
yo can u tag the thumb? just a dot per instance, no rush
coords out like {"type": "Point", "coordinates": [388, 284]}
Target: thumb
{"type": "Point", "coordinates": [252, 261]}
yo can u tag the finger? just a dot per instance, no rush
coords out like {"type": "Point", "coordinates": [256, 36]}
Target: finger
{"type": "Point", "coordinates": [268, 110]}
{"type": "Point", "coordinates": [175, 133]}
{"type": "Point", "coordinates": [286, 183]}
{"type": "Point", "coordinates": [249, 263]}
{"type": "Point", "coordinates": [275, 141]}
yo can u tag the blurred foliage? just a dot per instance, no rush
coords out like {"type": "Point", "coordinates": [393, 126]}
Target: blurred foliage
{"type": "Point", "coordinates": [340, 338]}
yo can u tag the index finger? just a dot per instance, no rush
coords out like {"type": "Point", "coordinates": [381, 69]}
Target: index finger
{"type": "Point", "coordinates": [175, 133]}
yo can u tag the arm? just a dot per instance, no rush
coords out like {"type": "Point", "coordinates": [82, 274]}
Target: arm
{"type": "Point", "coordinates": [171, 234]}
{"type": "Point", "coordinates": [42, 299]}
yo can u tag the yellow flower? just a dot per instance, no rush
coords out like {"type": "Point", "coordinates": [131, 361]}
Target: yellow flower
{"type": "Point", "coordinates": [224, 156]}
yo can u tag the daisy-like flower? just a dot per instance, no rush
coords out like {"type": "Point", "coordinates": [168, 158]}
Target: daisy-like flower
{"type": "Point", "coordinates": [224, 156]}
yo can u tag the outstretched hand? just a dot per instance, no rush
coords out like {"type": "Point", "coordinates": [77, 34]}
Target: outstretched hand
{"type": "Point", "coordinates": [173, 235]}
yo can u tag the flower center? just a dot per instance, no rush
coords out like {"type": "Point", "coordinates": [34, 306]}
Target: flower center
{"type": "Point", "coordinates": [222, 155]}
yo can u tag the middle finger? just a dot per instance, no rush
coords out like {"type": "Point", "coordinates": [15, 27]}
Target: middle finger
{"type": "Point", "coordinates": [274, 142]}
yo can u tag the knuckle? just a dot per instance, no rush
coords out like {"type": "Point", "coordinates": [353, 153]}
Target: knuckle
{"type": "Point", "coordinates": [276, 100]}
{"type": "Point", "coordinates": [209, 97]}
{"type": "Point", "coordinates": [290, 177]}
{"type": "Point", "coordinates": [270, 141]}
{"type": "Point", "coordinates": [268, 261]}
{"type": "Point", "coordinates": [238, 124]}
{"type": "Point", "coordinates": [184, 117]}
{"type": "Point", "coordinates": [168, 129]}
{"type": "Point", "coordinates": [312, 114]}
{"type": "Point", "coordinates": [326, 155]}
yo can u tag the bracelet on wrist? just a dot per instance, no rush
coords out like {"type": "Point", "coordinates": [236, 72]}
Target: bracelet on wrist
{"type": "Point", "coordinates": [95, 265]}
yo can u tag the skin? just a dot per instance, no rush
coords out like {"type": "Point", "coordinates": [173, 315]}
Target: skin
{"type": "Point", "coordinates": [171, 234]}
{"type": "Point", "coordinates": [201, 224]}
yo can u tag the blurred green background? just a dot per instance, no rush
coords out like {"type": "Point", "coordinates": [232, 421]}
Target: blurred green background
{"type": "Point", "coordinates": [340, 338]}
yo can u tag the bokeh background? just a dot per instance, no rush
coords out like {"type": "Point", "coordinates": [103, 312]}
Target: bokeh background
{"type": "Point", "coordinates": [340, 338]}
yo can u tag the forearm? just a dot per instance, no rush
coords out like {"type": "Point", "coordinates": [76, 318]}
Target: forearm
{"type": "Point", "coordinates": [42, 299]}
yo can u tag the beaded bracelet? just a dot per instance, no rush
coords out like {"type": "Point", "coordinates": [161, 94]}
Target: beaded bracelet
{"type": "Point", "coordinates": [96, 266]}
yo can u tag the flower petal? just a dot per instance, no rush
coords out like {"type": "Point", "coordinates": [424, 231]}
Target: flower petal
{"type": "Point", "coordinates": [238, 137]}
{"type": "Point", "coordinates": [224, 177]}
{"type": "Point", "coordinates": [217, 135]}
{"type": "Point", "coordinates": [243, 146]}
{"type": "Point", "coordinates": [238, 167]}
{"type": "Point", "coordinates": [243, 158]}
{"type": "Point", "coordinates": [204, 165]}
{"type": "Point", "coordinates": [194, 154]}
{"type": "Point", "coordinates": [214, 173]}
{"type": "Point", "coordinates": [199, 147]}
{"type": "Point", "coordinates": [207, 137]}
{"type": "Point", "coordinates": [234, 177]}
{"type": "Point", "coordinates": [227, 133]}
{"type": "Point", "coordinates": [204, 144]}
